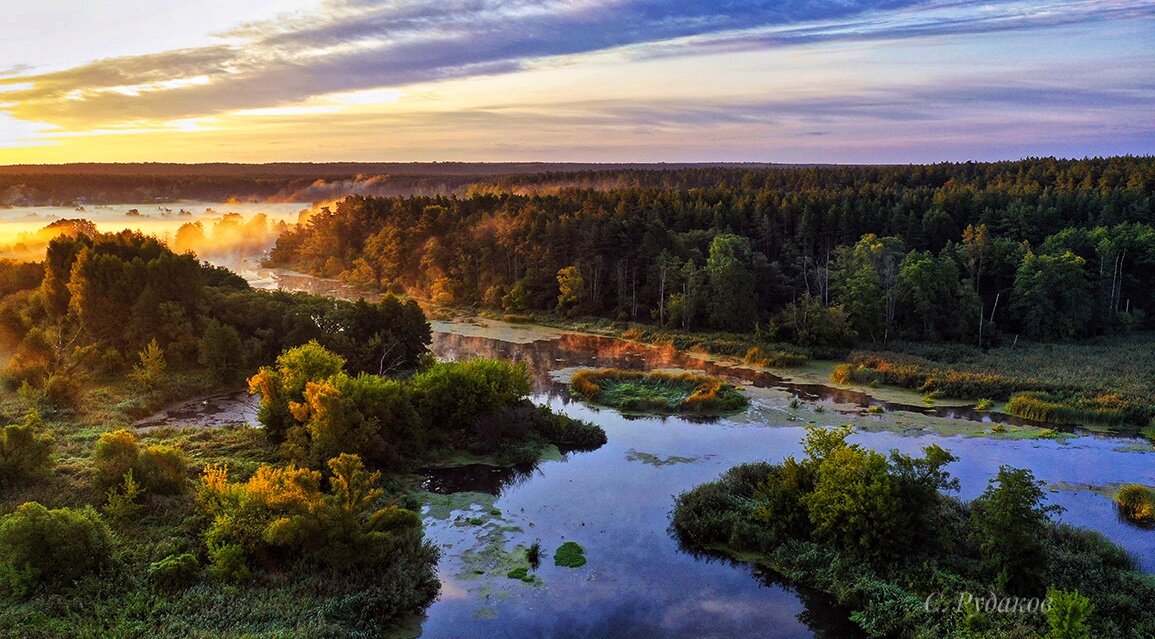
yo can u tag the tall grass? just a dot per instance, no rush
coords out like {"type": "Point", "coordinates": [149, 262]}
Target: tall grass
{"type": "Point", "coordinates": [1137, 503]}
{"type": "Point", "coordinates": [1109, 381]}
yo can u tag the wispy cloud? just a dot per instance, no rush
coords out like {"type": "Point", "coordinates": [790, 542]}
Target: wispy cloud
{"type": "Point", "coordinates": [360, 44]}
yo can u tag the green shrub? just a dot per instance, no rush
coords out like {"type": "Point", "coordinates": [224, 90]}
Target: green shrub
{"type": "Point", "coordinates": [174, 571]}
{"type": "Point", "coordinates": [62, 390]}
{"type": "Point", "coordinates": [152, 370]}
{"type": "Point", "coordinates": [451, 396]}
{"type": "Point", "coordinates": [1069, 615]}
{"type": "Point", "coordinates": [281, 513]}
{"type": "Point", "coordinates": [705, 515]}
{"type": "Point", "coordinates": [159, 469]}
{"type": "Point", "coordinates": [50, 548]}
{"type": "Point", "coordinates": [856, 505]}
{"type": "Point", "coordinates": [227, 563]}
{"type": "Point", "coordinates": [25, 452]}
{"type": "Point", "coordinates": [163, 470]}
{"type": "Point", "coordinates": [122, 502]}
{"type": "Point", "coordinates": [114, 455]}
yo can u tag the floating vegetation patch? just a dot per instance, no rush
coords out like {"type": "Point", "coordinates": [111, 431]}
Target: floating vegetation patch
{"type": "Point", "coordinates": [658, 392]}
{"type": "Point", "coordinates": [656, 460]}
{"type": "Point", "coordinates": [570, 555]}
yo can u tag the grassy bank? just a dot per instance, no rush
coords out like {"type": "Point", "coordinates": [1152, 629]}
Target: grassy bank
{"type": "Point", "coordinates": [1107, 382]}
{"type": "Point", "coordinates": [1103, 382]}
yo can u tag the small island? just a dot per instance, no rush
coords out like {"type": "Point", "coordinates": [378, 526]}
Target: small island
{"type": "Point", "coordinates": [658, 392]}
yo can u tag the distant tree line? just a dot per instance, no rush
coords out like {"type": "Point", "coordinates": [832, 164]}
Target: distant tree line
{"type": "Point", "coordinates": [1044, 248]}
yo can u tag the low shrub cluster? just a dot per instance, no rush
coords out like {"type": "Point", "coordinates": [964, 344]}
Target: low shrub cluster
{"type": "Point", "coordinates": [47, 548]}
{"type": "Point", "coordinates": [159, 469]}
{"type": "Point", "coordinates": [282, 516]}
{"type": "Point", "coordinates": [25, 450]}
{"type": "Point", "coordinates": [657, 392]}
{"type": "Point", "coordinates": [283, 512]}
{"type": "Point", "coordinates": [174, 571]}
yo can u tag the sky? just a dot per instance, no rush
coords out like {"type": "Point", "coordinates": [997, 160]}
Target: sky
{"type": "Point", "coordinates": [795, 81]}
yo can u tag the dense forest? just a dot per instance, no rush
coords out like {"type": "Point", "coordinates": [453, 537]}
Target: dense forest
{"type": "Point", "coordinates": [46, 184]}
{"type": "Point", "coordinates": [1043, 248]}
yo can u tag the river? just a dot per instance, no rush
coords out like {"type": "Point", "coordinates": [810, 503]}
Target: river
{"type": "Point", "coordinates": [616, 502]}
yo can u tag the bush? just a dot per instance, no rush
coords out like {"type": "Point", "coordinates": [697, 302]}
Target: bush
{"type": "Point", "coordinates": [49, 548]}
{"type": "Point", "coordinates": [122, 502]}
{"type": "Point", "coordinates": [159, 469]}
{"type": "Point", "coordinates": [705, 515]}
{"type": "Point", "coordinates": [174, 572]}
{"type": "Point", "coordinates": [282, 513]}
{"type": "Point", "coordinates": [451, 396]}
{"type": "Point", "coordinates": [162, 470]}
{"type": "Point", "coordinates": [1068, 615]}
{"type": "Point", "coordinates": [856, 505]}
{"type": "Point", "coordinates": [1136, 503]}
{"type": "Point", "coordinates": [24, 452]}
{"type": "Point", "coordinates": [227, 563]}
{"type": "Point", "coordinates": [114, 455]}
{"type": "Point", "coordinates": [62, 390]}
{"type": "Point", "coordinates": [152, 371]}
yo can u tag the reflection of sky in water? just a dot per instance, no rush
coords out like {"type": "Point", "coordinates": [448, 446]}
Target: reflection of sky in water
{"type": "Point", "coordinates": [638, 582]}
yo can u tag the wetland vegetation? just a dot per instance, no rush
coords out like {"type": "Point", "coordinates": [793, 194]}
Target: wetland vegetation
{"type": "Point", "coordinates": [880, 535]}
{"type": "Point", "coordinates": [658, 392]}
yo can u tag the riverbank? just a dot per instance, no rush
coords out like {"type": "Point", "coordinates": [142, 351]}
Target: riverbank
{"type": "Point", "coordinates": [804, 392]}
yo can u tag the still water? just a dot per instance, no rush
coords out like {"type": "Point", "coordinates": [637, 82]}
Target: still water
{"type": "Point", "coordinates": [616, 502]}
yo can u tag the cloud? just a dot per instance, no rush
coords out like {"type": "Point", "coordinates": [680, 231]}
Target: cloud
{"type": "Point", "coordinates": [359, 44]}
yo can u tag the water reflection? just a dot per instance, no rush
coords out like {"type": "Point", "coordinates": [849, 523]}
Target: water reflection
{"type": "Point", "coordinates": [480, 478]}
{"type": "Point", "coordinates": [583, 350]}
{"type": "Point", "coordinates": [639, 581]}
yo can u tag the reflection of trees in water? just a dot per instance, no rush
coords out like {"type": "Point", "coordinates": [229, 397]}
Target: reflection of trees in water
{"type": "Point", "coordinates": [479, 478]}
{"type": "Point", "coordinates": [821, 614]}
{"type": "Point", "coordinates": [580, 350]}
